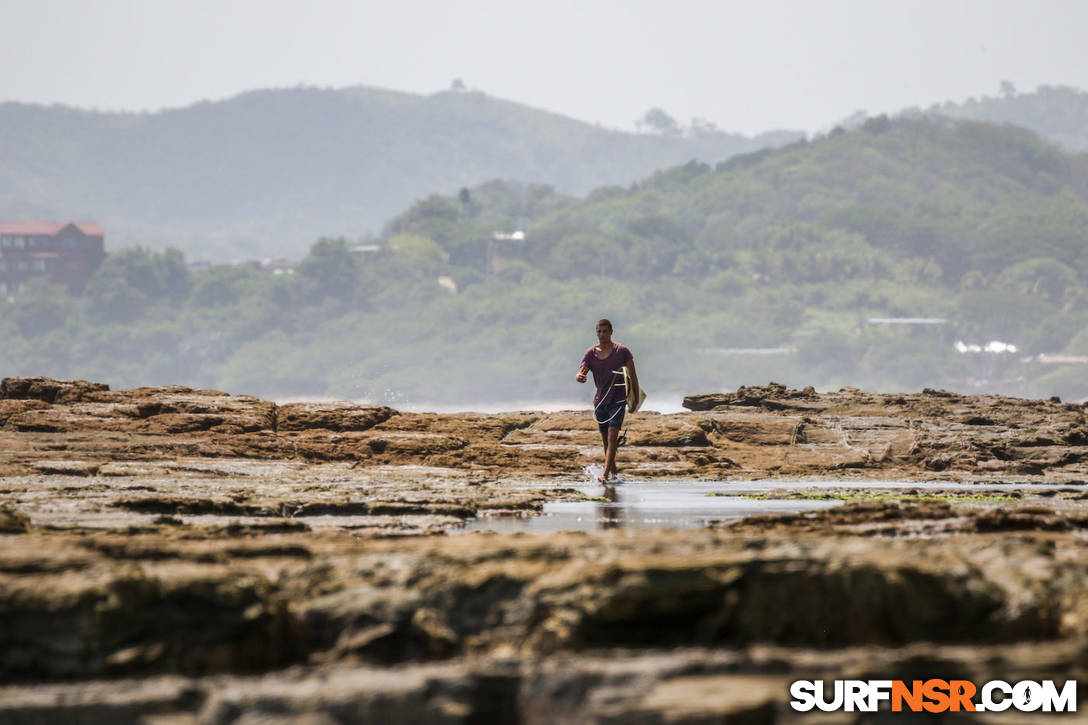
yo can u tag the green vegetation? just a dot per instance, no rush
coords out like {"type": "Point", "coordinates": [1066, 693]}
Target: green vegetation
{"type": "Point", "coordinates": [266, 172]}
{"type": "Point", "coordinates": [767, 266]}
{"type": "Point", "coordinates": [949, 496]}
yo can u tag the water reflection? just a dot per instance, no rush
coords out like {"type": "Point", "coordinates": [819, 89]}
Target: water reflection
{"type": "Point", "coordinates": [642, 505]}
{"type": "Point", "coordinates": [609, 514]}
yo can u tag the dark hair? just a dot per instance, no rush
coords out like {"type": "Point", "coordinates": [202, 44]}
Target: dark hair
{"type": "Point", "coordinates": [601, 322]}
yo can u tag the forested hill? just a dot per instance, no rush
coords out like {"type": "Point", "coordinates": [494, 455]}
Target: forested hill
{"type": "Point", "coordinates": [266, 172]}
{"type": "Point", "coordinates": [769, 266]}
{"type": "Point", "coordinates": [1058, 113]}
{"type": "Point", "coordinates": [951, 197]}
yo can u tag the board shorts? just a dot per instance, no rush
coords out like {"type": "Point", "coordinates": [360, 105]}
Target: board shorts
{"type": "Point", "coordinates": [611, 414]}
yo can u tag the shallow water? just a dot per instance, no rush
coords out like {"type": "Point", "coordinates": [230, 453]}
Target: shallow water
{"type": "Point", "coordinates": [694, 504]}
{"type": "Point", "coordinates": [679, 505]}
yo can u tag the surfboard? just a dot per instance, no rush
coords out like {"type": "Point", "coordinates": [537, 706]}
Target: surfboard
{"type": "Point", "coordinates": [632, 404]}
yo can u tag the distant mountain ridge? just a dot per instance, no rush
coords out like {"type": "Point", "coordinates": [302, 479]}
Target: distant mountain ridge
{"type": "Point", "coordinates": [1057, 113]}
{"type": "Point", "coordinates": [266, 172]}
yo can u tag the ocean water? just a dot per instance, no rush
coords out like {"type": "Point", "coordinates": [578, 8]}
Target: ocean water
{"type": "Point", "coordinates": [664, 403]}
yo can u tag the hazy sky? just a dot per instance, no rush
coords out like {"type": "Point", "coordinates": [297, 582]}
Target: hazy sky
{"type": "Point", "coordinates": [745, 66]}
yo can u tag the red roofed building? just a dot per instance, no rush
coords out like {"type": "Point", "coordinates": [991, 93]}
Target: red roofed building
{"type": "Point", "coordinates": [68, 253]}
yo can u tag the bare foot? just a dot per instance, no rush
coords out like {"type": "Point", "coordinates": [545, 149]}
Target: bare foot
{"type": "Point", "coordinates": [602, 478]}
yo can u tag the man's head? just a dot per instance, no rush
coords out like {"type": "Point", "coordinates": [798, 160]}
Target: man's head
{"type": "Point", "coordinates": [604, 329]}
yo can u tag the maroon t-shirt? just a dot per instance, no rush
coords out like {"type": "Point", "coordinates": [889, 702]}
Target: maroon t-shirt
{"type": "Point", "coordinates": [609, 385]}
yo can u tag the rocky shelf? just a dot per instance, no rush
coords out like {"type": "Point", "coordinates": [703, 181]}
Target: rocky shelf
{"type": "Point", "coordinates": [179, 556]}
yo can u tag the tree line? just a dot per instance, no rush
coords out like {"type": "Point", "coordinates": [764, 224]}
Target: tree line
{"type": "Point", "coordinates": [791, 250]}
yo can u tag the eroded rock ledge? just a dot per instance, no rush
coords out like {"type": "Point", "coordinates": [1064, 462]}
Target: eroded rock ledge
{"type": "Point", "coordinates": [567, 628]}
{"type": "Point", "coordinates": [78, 427]}
{"type": "Point", "coordinates": [189, 556]}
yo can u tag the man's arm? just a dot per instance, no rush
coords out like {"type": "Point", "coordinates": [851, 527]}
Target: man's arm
{"type": "Point", "coordinates": [581, 376]}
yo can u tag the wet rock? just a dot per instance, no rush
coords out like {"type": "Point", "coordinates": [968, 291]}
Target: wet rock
{"type": "Point", "coordinates": [124, 621]}
{"type": "Point", "coordinates": [729, 699]}
{"type": "Point", "coordinates": [49, 390]}
{"type": "Point", "coordinates": [12, 521]}
{"type": "Point", "coordinates": [184, 411]}
{"type": "Point", "coordinates": [331, 416]}
{"type": "Point", "coordinates": [204, 536]}
{"type": "Point", "coordinates": [175, 699]}
{"type": "Point", "coordinates": [773, 396]}
{"type": "Point", "coordinates": [760, 430]}
{"type": "Point", "coordinates": [149, 605]}
{"type": "Point", "coordinates": [67, 468]}
{"type": "Point", "coordinates": [431, 694]}
{"type": "Point", "coordinates": [9, 408]}
{"type": "Point", "coordinates": [919, 517]}
{"type": "Point", "coordinates": [755, 429]}
{"type": "Point", "coordinates": [933, 431]}
{"type": "Point", "coordinates": [684, 686]}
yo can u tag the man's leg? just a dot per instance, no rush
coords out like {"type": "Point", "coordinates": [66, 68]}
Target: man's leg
{"type": "Point", "coordinates": [604, 442]}
{"type": "Point", "coordinates": [610, 452]}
